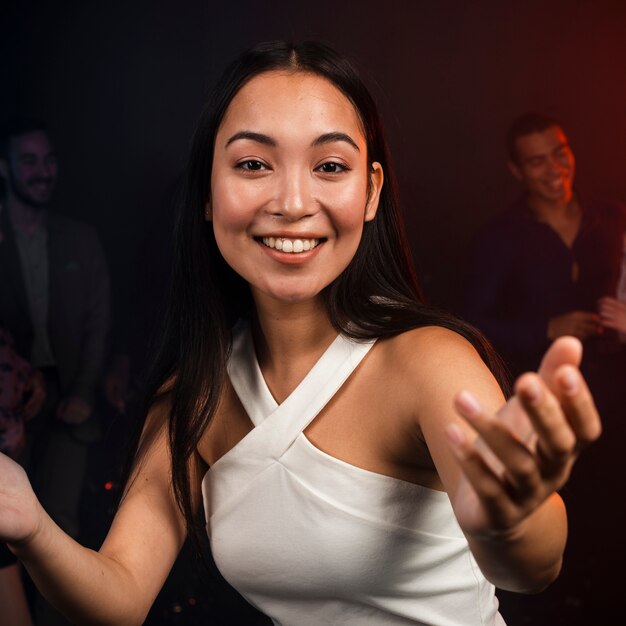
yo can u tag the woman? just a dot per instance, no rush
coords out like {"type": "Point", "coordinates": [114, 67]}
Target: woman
{"type": "Point", "coordinates": [300, 365]}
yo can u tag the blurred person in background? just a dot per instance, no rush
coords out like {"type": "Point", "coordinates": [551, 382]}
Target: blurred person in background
{"type": "Point", "coordinates": [550, 266]}
{"type": "Point", "coordinates": [54, 300]}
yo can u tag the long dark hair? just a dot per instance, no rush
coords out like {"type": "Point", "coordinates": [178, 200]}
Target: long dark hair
{"type": "Point", "coordinates": [376, 296]}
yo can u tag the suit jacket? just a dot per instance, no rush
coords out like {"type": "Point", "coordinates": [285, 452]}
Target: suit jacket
{"type": "Point", "coordinates": [78, 304]}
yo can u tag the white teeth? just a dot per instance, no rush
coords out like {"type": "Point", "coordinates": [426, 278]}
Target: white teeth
{"type": "Point", "coordinates": [291, 246]}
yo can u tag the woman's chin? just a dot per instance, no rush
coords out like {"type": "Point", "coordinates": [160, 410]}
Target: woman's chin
{"type": "Point", "coordinates": [292, 295]}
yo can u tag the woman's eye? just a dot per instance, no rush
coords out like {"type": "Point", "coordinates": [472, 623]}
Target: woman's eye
{"type": "Point", "coordinates": [251, 165]}
{"type": "Point", "coordinates": [332, 168]}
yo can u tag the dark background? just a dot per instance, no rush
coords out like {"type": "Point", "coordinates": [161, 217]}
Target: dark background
{"type": "Point", "coordinates": [121, 85]}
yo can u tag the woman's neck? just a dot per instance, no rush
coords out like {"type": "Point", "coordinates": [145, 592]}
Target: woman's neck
{"type": "Point", "coordinates": [289, 339]}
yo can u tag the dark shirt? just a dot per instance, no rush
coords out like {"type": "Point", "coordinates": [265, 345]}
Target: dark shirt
{"type": "Point", "coordinates": [521, 274]}
{"type": "Point", "coordinates": [33, 250]}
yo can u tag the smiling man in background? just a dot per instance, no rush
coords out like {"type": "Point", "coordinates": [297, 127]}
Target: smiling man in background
{"type": "Point", "coordinates": [54, 299]}
{"type": "Point", "coordinates": [536, 272]}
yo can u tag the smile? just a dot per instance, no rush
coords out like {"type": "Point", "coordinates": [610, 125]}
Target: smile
{"type": "Point", "coordinates": [291, 246]}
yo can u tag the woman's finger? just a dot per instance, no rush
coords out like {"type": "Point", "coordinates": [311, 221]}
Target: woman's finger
{"type": "Point", "coordinates": [488, 486]}
{"type": "Point", "coordinates": [546, 414]}
{"type": "Point", "coordinates": [578, 405]}
{"type": "Point", "coordinates": [520, 469]}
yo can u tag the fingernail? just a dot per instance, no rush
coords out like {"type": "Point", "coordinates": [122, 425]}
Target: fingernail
{"type": "Point", "coordinates": [533, 392]}
{"type": "Point", "coordinates": [468, 403]}
{"type": "Point", "coordinates": [455, 434]}
{"type": "Point", "coordinates": [569, 381]}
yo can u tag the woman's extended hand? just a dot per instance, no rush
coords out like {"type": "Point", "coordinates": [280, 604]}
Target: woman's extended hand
{"type": "Point", "coordinates": [20, 512]}
{"type": "Point", "coordinates": [526, 451]}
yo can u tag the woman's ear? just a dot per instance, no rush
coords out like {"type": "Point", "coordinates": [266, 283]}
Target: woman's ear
{"type": "Point", "coordinates": [377, 178]}
{"type": "Point", "coordinates": [208, 211]}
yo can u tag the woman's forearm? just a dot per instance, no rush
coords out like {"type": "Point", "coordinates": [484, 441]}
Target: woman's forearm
{"type": "Point", "coordinates": [84, 585]}
{"type": "Point", "coordinates": [527, 558]}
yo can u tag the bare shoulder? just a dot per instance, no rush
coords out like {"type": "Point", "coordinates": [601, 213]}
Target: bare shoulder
{"type": "Point", "coordinates": [155, 437]}
{"type": "Point", "coordinates": [434, 363]}
{"type": "Point", "coordinates": [431, 346]}
{"type": "Point", "coordinates": [430, 366]}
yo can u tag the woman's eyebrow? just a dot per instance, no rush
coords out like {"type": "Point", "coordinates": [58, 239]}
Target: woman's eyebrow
{"type": "Point", "coordinates": [268, 141]}
{"type": "Point", "coordinates": [251, 136]}
{"type": "Point", "coordinates": [335, 136]}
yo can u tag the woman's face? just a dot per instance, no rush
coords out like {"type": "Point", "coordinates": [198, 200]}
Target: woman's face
{"type": "Point", "coordinates": [290, 186]}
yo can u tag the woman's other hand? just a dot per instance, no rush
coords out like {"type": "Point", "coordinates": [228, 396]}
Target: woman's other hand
{"type": "Point", "coordinates": [20, 512]}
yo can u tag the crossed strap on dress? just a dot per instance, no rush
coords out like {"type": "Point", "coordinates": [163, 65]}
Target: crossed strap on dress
{"type": "Point", "coordinates": [280, 425]}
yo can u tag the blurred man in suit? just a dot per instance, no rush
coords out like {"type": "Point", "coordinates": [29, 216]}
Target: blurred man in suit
{"type": "Point", "coordinates": [54, 299]}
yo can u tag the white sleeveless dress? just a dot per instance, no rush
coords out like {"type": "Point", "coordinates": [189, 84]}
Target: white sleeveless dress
{"type": "Point", "coordinates": [312, 540]}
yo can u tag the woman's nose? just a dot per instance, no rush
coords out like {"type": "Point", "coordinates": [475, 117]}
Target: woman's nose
{"type": "Point", "coordinates": [293, 199]}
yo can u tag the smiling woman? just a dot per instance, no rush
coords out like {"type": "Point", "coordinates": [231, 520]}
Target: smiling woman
{"type": "Point", "coordinates": [284, 177]}
{"type": "Point", "coordinates": [311, 401]}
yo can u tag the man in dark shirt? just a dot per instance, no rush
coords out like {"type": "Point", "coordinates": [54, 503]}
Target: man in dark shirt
{"type": "Point", "coordinates": [536, 272]}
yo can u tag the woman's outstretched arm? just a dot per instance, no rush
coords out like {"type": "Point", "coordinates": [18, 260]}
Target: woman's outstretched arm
{"type": "Point", "coordinates": [118, 584]}
{"type": "Point", "coordinates": [502, 464]}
